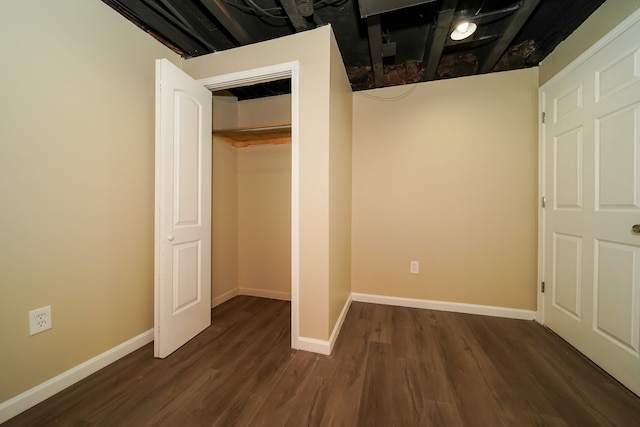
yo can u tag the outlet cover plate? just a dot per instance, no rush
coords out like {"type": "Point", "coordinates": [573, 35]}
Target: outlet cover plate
{"type": "Point", "coordinates": [414, 267]}
{"type": "Point", "coordinates": [39, 320]}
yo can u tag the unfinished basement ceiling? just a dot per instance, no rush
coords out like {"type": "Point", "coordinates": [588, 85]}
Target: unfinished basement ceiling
{"type": "Point", "coordinates": [383, 42]}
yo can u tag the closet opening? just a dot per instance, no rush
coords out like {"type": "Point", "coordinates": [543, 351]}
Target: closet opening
{"type": "Point", "coordinates": [252, 195]}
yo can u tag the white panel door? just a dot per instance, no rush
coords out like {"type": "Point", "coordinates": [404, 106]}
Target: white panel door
{"type": "Point", "coordinates": [591, 164]}
{"type": "Point", "coordinates": [182, 209]}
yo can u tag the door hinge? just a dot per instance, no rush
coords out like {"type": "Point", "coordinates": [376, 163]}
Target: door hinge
{"type": "Point", "coordinates": [542, 287]}
{"type": "Point", "coordinates": [543, 202]}
{"type": "Point", "coordinates": [543, 117]}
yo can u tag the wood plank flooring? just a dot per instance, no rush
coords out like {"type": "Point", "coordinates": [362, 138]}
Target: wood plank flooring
{"type": "Point", "coordinates": [391, 366]}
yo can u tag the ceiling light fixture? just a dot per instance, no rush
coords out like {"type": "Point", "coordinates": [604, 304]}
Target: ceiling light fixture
{"type": "Point", "coordinates": [463, 30]}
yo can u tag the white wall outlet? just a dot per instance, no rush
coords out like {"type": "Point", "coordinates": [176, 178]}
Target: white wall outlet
{"type": "Point", "coordinates": [39, 320]}
{"type": "Point", "coordinates": [415, 267]}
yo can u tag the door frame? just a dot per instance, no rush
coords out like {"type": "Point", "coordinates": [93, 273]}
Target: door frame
{"type": "Point", "coordinates": [261, 75]}
{"type": "Point", "coordinates": [541, 209]}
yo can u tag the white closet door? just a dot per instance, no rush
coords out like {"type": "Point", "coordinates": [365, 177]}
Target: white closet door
{"type": "Point", "coordinates": [591, 161]}
{"type": "Point", "coordinates": [183, 209]}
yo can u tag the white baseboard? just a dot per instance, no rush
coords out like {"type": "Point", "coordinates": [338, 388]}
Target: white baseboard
{"type": "Point", "coordinates": [264, 293]}
{"type": "Point", "coordinates": [224, 297]}
{"type": "Point", "coordinates": [456, 307]}
{"type": "Point", "coordinates": [321, 346]}
{"type": "Point", "coordinates": [338, 326]}
{"type": "Point", "coordinates": [45, 390]}
{"type": "Point", "coordinates": [314, 345]}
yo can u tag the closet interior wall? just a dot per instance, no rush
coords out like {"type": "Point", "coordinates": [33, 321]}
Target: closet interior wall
{"type": "Point", "coordinates": [251, 212]}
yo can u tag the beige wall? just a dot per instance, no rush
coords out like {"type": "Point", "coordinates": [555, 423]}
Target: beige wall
{"type": "Point", "coordinates": [447, 176]}
{"type": "Point", "coordinates": [264, 219]}
{"type": "Point", "coordinates": [606, 18]}
{"type": "Point", "coordinates": [311, 49]}
{"type": "Point", "coordinates": [76, 184]}
{"type": "Point", "coordinates": [340, 148]}
{"type": "Point", "coordinates": [224, 201]}
{"type": "Point", "coordinates": [270, 110]}
{"type": "Point", "coordinates": [264, 204]}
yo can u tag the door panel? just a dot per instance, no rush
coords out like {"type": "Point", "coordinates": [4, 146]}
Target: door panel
{"type": "Point", "coordinates": [618, 159]}
{"type": "Point", "coordinates": [568, 103]}
{"type": "Point", "coordinates": [183, 209]}
{"type": "Point", "coordinates": [591, 164]}
{"type": "Point", "coordinates": [567, 159]}
{"type": "Point", "coordinates": [187, 162]}
{"type": "Point", "coordinates": [615, 77]}
{"type": "Point", "coordinates": [186, 276]}
{"type": "Point", "coordinates": [567, 270]}
{"type": "Point", "coordinates": [616, 312]}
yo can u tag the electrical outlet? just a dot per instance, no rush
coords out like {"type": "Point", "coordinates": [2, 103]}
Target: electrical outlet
{"type": "Point", "coordinates": [39, 320]}
{"type": "Point", "coordinates": [415, 267]}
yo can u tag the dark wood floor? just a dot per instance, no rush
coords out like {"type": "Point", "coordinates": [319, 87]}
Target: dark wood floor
{"type": "Point", "coordinates": [391, 366]}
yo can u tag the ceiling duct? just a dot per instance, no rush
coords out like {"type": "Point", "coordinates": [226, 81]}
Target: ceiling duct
{"type": "Point", "coordinates": [376, 7]}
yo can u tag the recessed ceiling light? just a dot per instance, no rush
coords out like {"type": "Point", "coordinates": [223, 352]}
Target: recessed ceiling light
{"type": "Point", "coordinates": [463, 30]}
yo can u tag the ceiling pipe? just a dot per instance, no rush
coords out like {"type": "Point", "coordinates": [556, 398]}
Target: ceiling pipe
{"type": "Point", "coordinates": [305, 7]}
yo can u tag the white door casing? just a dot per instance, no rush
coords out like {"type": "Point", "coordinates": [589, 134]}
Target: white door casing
{"type": "Point", "coordinates": [590, 178]}
{"type": "Point", "coordinates": [260, 75]}
{"type": "Point", "coordinates": [182, 271]}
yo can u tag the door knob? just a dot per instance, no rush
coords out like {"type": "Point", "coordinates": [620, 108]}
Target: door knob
{"type": "Point", "coordinates": [635, 229]}
{"type": "Point", "coordinates": [170, 236]}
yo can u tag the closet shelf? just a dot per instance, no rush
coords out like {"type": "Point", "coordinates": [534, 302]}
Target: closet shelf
{"type": "Point", "coordinates": [279, 133]}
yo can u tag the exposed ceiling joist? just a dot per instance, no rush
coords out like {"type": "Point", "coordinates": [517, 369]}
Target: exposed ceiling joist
{"type": "Point", "coordinates": [486, 17]}
{"type": "Point", "coordinates": [187, 16]}
{"type": "Point", "coordinates": [222, 14]}
{"type": "Point", "coordinates": [374, 30]}
{"type": "Point", "coordinates": [291, 9]}
{"type": "Point", "coordinates": [514, 26]}
{"type": "Point", "coordinates": [156, 20]}
{"type": "Point", "coordinates": [407, 41]}
{"type": "Point", "coordinates": [376, 7]}
{"type": "Point", "coordinates": [443, 24]}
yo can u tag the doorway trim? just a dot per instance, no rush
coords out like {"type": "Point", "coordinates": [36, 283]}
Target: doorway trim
{"type": "Point", "coordinates": [261, 75]}
{"type": "Point", "coordinates": [541, 208]}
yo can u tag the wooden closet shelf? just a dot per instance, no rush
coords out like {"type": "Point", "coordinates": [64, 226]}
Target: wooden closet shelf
{"type": "Point", "coordinates": [255, 135]}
